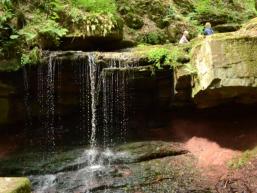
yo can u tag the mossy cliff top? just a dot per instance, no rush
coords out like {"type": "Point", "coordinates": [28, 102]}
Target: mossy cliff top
{"type": "Point", "coordinates": [29, 26]}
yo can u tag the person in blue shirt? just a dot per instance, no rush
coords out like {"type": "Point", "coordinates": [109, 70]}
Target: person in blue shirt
{"type": "Point", "coordinates": [208, 29]}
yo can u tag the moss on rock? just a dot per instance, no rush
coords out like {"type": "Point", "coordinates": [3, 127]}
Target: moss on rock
{"type": "Point", "coordinates": [15, 185]}
{"type": "Point", "coordinates": [226, 68]}
{"type": "Point", "coordinates": [134, 21]}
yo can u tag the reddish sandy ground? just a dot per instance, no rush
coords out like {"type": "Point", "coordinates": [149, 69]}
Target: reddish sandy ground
{"type": "Point", "coordinates": [217, 137]}
{"type": "Point", "coordinates": [213, 161]}
{"type": "Point", "coordinates": [211, 157]}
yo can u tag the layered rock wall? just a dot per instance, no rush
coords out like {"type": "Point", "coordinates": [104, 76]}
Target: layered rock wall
{"type": "Point", "coordinates": [226, 69]}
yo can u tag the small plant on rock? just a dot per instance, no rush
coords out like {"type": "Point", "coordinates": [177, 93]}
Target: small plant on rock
{"type": "Point", "coordinates": [159, 57]}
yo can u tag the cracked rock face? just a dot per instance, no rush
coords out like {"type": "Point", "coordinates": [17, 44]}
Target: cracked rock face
{"type": "Point", "coordinates": [226, 69]}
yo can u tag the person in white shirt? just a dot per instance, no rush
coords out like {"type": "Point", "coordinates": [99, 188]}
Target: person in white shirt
{"type": "Point", "coordinates": [184, 39]}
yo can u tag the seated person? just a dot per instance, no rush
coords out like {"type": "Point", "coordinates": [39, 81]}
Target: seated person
{"type": "Point", "coordinates": [184, 39]}
{"type": "Point", "coordinates": [208, 29]}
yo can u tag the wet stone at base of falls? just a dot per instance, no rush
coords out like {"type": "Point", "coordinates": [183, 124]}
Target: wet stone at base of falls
{"type": "Point", "coordinates": [35, 162]}
{"type": "Point", "coordinates": [112, 171]}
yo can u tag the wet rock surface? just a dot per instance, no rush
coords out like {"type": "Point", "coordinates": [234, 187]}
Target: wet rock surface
{"type": "Point", "coordinates": [145, 151]}
{"type": "Point", "coordinates": [37, 162]}
{"type": "Point", "coordinates": [154, 166]}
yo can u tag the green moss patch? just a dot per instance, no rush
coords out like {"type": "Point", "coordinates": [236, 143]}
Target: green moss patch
{"type": "Point", "coordinates": [15, 185]}
{"type": "Point", "coordinates": [244, 159]}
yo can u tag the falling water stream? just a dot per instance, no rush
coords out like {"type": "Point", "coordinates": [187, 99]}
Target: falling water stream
{"type": "Point", "coordinates": [50, 100]}
{"type": "Point", "coordinates": [110, 121]}
{"type": "Point", "coordinates": [93, 76]}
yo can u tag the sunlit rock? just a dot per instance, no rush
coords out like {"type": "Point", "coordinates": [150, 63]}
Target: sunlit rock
{"type": "Point", "coordinates": [15, 185]}
{"type": "Point", "coordinates": [227, 68]}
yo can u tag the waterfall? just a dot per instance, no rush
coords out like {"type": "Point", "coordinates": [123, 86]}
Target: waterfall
{"type": "Point", "coordinates": [93, 82]}
{"type": "Point", "coordinates": [103, 116]}
{"type": "Point", "coordinates": [112, 117]}
{"type": "Point", "coordinates": [103, 99]}
{"type": "Point", "coordinates": [50, 103]}
{"type": "Point", "coordinates": [84, 97]}
{"type": "Point", "coordinates": [88, 79]}
{"type": "Point", "coordinates": [116, 99]}
{"type": "Point", "coordinates": [41, 105]}
{"type": "Point", "coordinates": [46, 97]}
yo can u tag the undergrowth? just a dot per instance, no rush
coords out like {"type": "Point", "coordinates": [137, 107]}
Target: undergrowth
{"type": "Point", "coordinates": [159, 57]}
{"type": "Point", "coordinates": [224, 11]}
{"type": "Point", "coordinates": [169, 55]}
{"type": "Point", "coordinates": [34, 25]}
{"type": "Point", "coordinates": [97, 6]}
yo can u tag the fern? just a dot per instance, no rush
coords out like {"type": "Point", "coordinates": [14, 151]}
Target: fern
{"type": "Point", "coordinates": [159, 57]}
{"type": "Point", "coordinates": [31, 57]}
{"type": "Point", "coordinates": [98, 6]}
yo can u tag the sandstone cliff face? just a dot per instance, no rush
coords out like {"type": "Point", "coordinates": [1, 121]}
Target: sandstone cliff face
{"type": "Point", "coordinates": [226, 68]}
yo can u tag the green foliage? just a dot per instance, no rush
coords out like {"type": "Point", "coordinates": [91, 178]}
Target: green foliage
{"type": "Point", "coordinates": [29, 23]}
{"type": "Point", "coordinates": [220, 10]}
{"type": "Point", "coordinates": [245, 158]}
{"type": "Point", "coordinates": [153, 38]}
{"type": "Point", "coordinates": [33, 25]}
{"type": "Point", "coordinates": [98, 6]}
{"type": "Point", "coordinates": [40, 27]}
{"type": "Point", "coordinates": [169, 55]}
{"type": "Point", "coordinates": [160, 57]}
{"type": "Point", "coordinates": [39, 24]}
{"type": "Point", "coordinates": [6, 16]}
{"type": "Point", "coordinates": [6, 3]}
{"type": "Point", "coordinates": [93, 23]}
{"type": "Point", "coordinates": [31, 57]}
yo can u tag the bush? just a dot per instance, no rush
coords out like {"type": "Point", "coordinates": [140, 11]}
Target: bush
{"type": "Point", "coordinates": [31, 57]}
{"type": "Point", "coordinates": [170, 55]}
{"type": "Point", "coordinates": [41, 27]}
{"type": "Point", "coordinates": [159, 57]}
{"type": "Point", "coordinates": [27, 24]}
{"type": "Point", "coordinates": [220, 12]}
{"type": "Point", "coordinates": [153, 38]}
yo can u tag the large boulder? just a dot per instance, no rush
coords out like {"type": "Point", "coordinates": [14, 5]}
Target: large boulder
{"type": "Point", "coordinates": [227, 67]}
